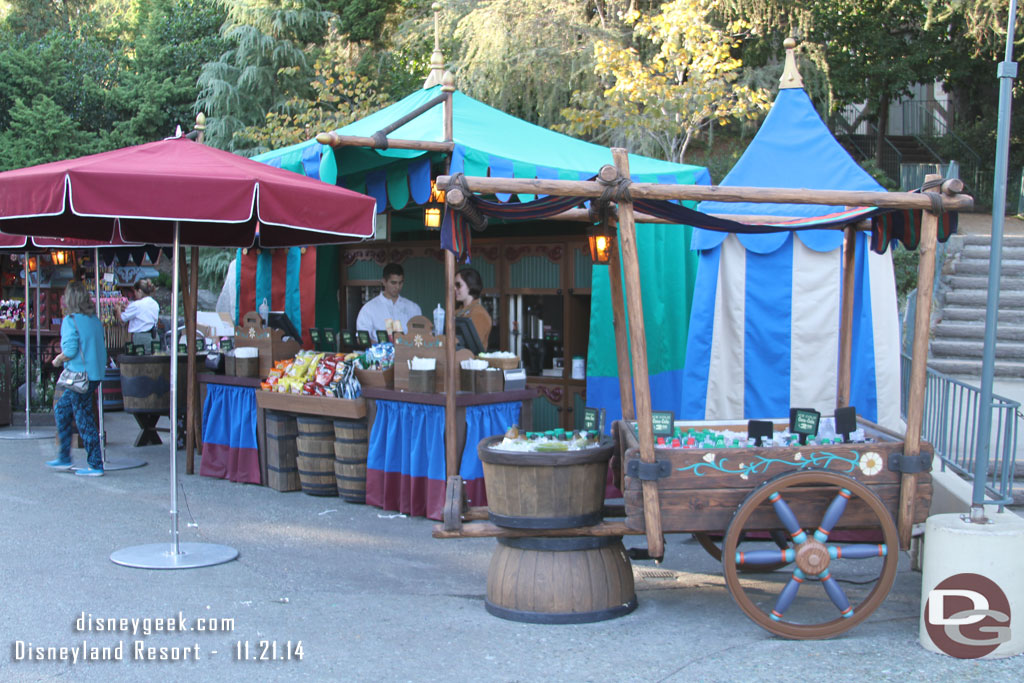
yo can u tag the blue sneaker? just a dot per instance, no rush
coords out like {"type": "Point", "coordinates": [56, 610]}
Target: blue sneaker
{"type": "Point", "coordinates": [89, 472]}
{"type": "Point", "coordinates": [59, 464]}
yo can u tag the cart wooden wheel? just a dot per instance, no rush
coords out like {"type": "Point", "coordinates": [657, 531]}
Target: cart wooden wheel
{"type": "Point", "coordinates": [868, 570]}
{"type": "Point", "coordinates": [712, 546]}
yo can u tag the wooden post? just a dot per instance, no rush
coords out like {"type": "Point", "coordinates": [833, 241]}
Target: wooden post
{"type": "Point", "coordinates": [638, 343]}
{"type": "Point", "coordinates": [846, 318]}
{"type": "Point", "coordinates": [621, 341]}
{"type": "Point", "coordinates": [918, 366]}
{"type": "Point", "coordinates": [451, 456]}
{"type": "Point", "coordinates": [189, 281]}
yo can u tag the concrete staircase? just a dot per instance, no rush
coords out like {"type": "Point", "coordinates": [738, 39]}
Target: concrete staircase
{"type": "Point", "coordinates": [957, 342]}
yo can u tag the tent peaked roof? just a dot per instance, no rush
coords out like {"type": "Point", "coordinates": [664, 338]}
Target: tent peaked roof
{"type": "Point", "coordinates": [487, 142]}
{"type": "Point", "coordinates": [793, 149]}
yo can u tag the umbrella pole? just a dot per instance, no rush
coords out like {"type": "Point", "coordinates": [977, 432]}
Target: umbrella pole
{"type": "Point", "coordinates": [108, 464]}
{"type": "Point", "coordinates": [27, 434]}
{"type": "Point", "coordinates": [180, 555]}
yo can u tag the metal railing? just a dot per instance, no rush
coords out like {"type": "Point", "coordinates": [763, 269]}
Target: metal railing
{"type": "Point", "coordinates": [950, 424]}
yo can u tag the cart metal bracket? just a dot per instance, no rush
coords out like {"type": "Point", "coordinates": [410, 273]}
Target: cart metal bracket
{"type": "Point", "coordinates": [910, 464]}
{"type": "Point", "coordinates": [649, 471]}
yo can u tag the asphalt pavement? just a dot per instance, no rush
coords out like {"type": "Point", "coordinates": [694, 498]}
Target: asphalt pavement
{"type": "Point", "coordinates": [369, 594]}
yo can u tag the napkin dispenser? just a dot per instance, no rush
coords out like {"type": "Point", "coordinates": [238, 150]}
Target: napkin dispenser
{"type": "Point", "coordinates": [515, 380]}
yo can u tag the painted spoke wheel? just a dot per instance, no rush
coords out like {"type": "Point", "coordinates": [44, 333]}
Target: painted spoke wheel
{"type": "Point", "coordinates": [712, 546]}
{"type": "Point", "coordinates": [808, 602]}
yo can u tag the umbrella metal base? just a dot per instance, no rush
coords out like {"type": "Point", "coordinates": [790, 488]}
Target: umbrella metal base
{"type": "Point", "coordinates": [123, 464]}
{"type": "Point", "coordinates": [34, 434]}
{"type": "Point", "coordinates": [162, 555]}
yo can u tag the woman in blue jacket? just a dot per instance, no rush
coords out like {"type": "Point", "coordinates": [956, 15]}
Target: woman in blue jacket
{"type": "Point", "coordinates": [83, 349]}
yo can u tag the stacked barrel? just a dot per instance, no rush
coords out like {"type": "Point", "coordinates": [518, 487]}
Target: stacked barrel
{"type": "Point", "coordinates": [330, 455]}
{"type": "Point", "coordinates": [570, 579]}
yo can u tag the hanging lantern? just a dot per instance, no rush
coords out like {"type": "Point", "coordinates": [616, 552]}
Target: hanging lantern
{"type": "Point", "coordinates": [59, 257]}
{"type": "Point", "coordinates": [434, 209]}
{"type": "Point", "coordinates": [33, 263]}
{"type": "Point", "coordinates": [602, 241]}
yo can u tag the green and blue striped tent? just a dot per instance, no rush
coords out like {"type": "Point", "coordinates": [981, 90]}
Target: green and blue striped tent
{"type": "Point", "coordinates": [488, 142]}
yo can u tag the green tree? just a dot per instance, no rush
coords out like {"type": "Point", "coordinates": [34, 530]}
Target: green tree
{"type": "Point", "coordinates": [657, 99]}
{"type": "Point", "coordinates": [172, 40]}
{"type": "Point", "coordinates": [527, 57]}
{"type": "Point", "coordinates": [339, 97]}
{"type": "Point", "coordinates": [27, 142]}
{"type": "Point", "coordinates": [872, 51]}
{"type": "Point", "coordinates": [266, 68]}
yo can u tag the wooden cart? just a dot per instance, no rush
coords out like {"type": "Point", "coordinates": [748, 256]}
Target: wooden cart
{"type": "Point", "coordinates": [833, 517]}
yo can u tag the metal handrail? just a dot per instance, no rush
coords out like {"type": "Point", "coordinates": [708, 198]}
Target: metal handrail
{"type": "Point", "coordinates": [950, 424]}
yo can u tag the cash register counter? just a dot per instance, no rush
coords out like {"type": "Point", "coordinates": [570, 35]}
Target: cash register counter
{"type": "Point", "coordinates": [405, 468]}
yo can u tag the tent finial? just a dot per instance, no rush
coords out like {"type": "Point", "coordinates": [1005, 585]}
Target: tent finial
{"type": "Point", "coordinates": [790, 76]}
{"type": "Point", "coordinates": [436, 58]}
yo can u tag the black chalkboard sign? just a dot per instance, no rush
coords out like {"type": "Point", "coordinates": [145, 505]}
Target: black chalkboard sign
{"type": "Point", "coordinates": [663, 422]}
{"type": "Point", "coordinates": [227, 343]}
{"type": "Point", "coordinates": [804, 421]}
{"type": "Point", "coordinates": [759, 430]}
{"type": "Point", "coordinates": [129, 349]}
{"type": "Point", "coordinates": [364, 338]}
{"type": "Point", "coordinates": [314, 334]}
{"type": "Point", "coordinates": [347, 338]}
{"type": "Point", "coordinates": [591, 416]}
{"type": "Point", "coordinates": [182, 348]}
{"type": "Point", "coordinates": [846, 421]}
{"type": "Point", "coordinates": [329, 338]}
{"type": "Point", "coordinates": [138, 349]}
{"type": "Point", "coordinates": [382, 336]}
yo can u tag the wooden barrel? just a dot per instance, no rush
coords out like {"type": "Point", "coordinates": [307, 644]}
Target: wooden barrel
{"type": "Point", "coordinates": [560, 490]}
{"type": "Point", "coordinates": [282, 467]}
{"type": "Point", "coordinates": [146, 383]}
{"type": "Point", "coordinates": [560, 580]}
{"type": "Point", "coordinates": [111, 389]}
{"type": "Point", "coordinates": [350, 443]}
{"type": "Point", "coordinates": [315, 456]}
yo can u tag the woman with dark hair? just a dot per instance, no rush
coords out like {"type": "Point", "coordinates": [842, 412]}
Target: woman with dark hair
{"type": "Point", "coordinates": [468, 285]}
{"type": "Point", "coordinates": [142, 314]}
{"type": "Point", "coordinates": [83, 349]}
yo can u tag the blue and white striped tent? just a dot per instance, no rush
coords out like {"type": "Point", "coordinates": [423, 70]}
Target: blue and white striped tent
{"type": "Point", "coordinates": [764, 327]}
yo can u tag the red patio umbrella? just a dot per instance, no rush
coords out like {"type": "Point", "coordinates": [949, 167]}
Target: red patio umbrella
{"type": "Point", "coordinates": [178, 191]}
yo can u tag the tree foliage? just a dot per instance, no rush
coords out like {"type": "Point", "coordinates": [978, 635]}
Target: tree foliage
{"type": "Point", "coordinates": [339, 97]}
{"type": "Point", "coordinates": [661, 97]}
{"type": "Point", "coordinates": [266, 67]}
{"type": "Point", "coordinates": [526, 57]}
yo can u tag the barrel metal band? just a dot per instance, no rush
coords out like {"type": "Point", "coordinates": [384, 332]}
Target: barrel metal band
{"type": "Point", "coordinates": [649, 471]}
{"type": "Point", "coordinates": [910, 464]}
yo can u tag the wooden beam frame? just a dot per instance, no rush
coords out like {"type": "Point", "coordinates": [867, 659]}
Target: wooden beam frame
{"type": "Point", "coordinates": [949, 199]}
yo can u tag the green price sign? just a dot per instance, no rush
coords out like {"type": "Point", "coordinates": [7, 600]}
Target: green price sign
{"type": "Point", "coordinates": [804, 421]}
{"type": "Point", "coordinates": [663, 422]}
{"type": "Point", "coordinates": [314, 334]}
{"type": "Point", "coordinates": [347, 339]}
{"type": "Point", "coordinates": [590, 419]}
{"type": "Point", "coordinates": [329, 336]}
{"type": "Point", "coordinates": [364, 338]}
{"type": "Point", "coordinates": [226, 344]}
